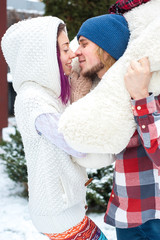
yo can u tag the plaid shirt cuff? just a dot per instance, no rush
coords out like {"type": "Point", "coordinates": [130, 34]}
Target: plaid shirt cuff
{"type": "Point", "coordinates": [144, 106]}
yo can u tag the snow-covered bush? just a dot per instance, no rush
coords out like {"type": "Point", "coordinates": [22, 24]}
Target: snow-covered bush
{"type": "Point", "coordinates": [98, 192]}
{"type": "Point", "coordinates": [12, 154]}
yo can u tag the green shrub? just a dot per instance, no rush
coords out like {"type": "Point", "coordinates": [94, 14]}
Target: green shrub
{"type": "Point", "coordinates": [98, 192]}
{"type": "Point", "coordinates": [75, 12]}
{"type": "Point", "coordinates": [13, 157]}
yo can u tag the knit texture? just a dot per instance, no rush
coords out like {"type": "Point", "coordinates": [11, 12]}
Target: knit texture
{"type": "Point", "coordinates": [26, 45]}
{"type": "Point", "coordinates": [80, 86]}
{"type": "Point", "coordinates": [103, 119]}
{"type": "Point", "coordinates": [110, 32]}
{"type": "Point", "coordinates": [56, 184]}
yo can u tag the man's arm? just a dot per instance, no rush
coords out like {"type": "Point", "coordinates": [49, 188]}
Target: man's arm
{"type": "Point", "coordinates": [144, 107]}
{"type": "Point", "coordinates": [147, 117]}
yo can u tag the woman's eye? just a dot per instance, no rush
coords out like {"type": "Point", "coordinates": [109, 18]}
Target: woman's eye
{"type": "Point", "coordinates": [66, 50]}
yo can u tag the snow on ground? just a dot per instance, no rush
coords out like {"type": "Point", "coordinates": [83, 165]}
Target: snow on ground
{"type": "Point", "coordinates": [15, 222]}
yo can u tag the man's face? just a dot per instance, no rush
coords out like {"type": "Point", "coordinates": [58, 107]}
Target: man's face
{"type": "Point", "coordinates": [89, 60]}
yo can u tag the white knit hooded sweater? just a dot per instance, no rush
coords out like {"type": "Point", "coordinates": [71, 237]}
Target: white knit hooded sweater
{"type": "Point", "coordinates": [103, 120]}
{"type": "Point", "coordinates": [56, 183]}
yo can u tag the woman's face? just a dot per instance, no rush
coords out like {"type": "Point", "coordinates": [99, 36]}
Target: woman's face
{"type": "Point", "coordinates": [66, 54]}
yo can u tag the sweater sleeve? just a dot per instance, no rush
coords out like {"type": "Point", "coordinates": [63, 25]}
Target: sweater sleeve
{"type": "Point", "coordinates": [47, 125]}
{"type": "Point", "coordinates": [80, 86]}
{"type": "Point", "coordinates": [147, 116]}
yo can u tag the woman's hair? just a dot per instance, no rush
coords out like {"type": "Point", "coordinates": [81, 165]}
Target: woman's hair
{"type": "Point", "coordinates": [65, 86]}
{"type": "Point", "coordinates": [107, 63]}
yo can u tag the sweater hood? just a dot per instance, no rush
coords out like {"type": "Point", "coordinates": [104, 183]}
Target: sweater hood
{"type": "Point", "coordinates": [30, 50]}
{"type": "Point", "coordinates": [103, 120]}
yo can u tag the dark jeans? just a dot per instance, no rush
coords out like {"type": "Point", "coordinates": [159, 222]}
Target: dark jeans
{"type": "Point", "coordinates": [150, 230]}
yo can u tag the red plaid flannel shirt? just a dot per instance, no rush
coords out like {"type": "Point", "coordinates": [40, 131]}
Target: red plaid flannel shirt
{"type": "Point", "coordinates": [122, 6]}
{"type": "Point", "coordinates": [135, 196]}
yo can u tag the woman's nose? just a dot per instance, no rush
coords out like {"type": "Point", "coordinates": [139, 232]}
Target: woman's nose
{"type": "Point", "coordinates": [72, 55]}
{"type": "Point", "coordinates": [78, 52]}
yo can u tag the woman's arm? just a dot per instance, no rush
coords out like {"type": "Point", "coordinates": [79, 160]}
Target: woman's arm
{"type": "Point", "coordinates": [47, 126]}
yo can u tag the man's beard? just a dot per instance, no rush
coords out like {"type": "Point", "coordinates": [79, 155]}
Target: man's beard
{"type": "Point", "coordinates": [92, 73]}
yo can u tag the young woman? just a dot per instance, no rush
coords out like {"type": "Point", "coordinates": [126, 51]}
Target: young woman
{"type": "Point", "coordinates": [38, 54]}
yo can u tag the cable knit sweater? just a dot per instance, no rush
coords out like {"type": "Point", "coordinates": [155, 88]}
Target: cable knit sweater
{"type": "Point", "coordinates": [56, 183]}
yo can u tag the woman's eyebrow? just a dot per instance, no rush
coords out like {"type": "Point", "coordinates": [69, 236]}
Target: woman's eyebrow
{"type": "Point", "coordinates": [66, 43]}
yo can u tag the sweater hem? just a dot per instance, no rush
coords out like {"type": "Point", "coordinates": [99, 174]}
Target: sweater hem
{"type": "Point", "coordinates": [58, 223]}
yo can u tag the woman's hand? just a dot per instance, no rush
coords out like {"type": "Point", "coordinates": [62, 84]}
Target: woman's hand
{"type": "Point", "coordinates": [80, 86]}
{"type": "Point", "coordinates": [137, 78]}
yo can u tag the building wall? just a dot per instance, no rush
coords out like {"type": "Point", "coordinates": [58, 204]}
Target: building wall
{"type": "Point", "coordinates": [3, 73]}
{"type": "Point", "coordinates": [14, 16]}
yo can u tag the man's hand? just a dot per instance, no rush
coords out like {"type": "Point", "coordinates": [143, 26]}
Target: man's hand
{"type": "Point", "coordinates": [137, 78]}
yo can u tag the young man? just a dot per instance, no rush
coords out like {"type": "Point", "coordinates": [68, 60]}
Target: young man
{"type": "Point", "coordinates": [101, 44]}
{"type": "Point", "coordinates": [134, 205]}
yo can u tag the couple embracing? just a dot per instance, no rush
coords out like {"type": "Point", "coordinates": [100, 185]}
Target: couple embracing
{"type": "Point", "coordinates": [55, 136]}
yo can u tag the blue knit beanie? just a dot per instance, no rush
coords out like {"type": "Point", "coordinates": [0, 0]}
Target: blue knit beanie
{"type": "Point", "coordinates": [110, 32]}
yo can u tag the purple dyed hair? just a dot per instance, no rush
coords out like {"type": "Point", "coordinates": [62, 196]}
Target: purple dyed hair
{"type": "Point", "coordinates": [65, 86]}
